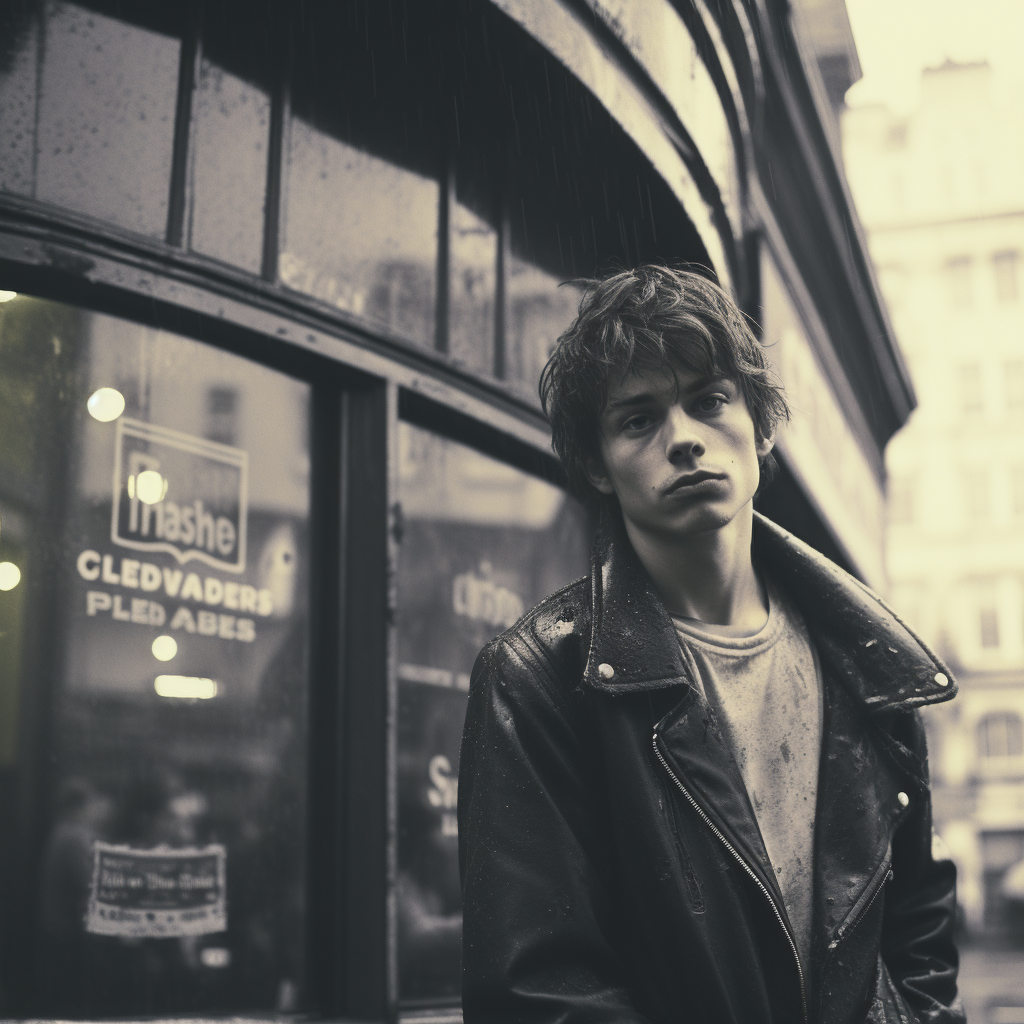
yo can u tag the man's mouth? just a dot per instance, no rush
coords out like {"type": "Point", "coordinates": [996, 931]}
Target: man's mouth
{"type": "Point", "coordinates": [689, 483]}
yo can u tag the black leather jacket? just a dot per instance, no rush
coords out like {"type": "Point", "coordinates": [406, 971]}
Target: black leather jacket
{"type": "Point", "coordinates": [612, 866]}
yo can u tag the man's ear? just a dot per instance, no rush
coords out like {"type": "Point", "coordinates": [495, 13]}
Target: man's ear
{"type": "Point", "coordinates": [598, 476]}
{"type": "Point", "coordinates": [765, 445]}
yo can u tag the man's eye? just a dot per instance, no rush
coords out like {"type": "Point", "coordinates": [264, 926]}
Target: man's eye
{"type": "Point", "coordinates": [711, 403]}
{"type": "Point", "coordinates": [635, 423]}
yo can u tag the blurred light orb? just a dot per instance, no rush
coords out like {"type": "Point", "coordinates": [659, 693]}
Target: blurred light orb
{"type": "Point", "coordinates": [105, 405]}
{"type": "Point", "coordinates": [164, 648]}
{"type": "Point", "coordinates": [6, 296]}
{"type": "Point", "coordinates": [10, 575]}
{"type": "Point", "coordinates": [150, 487]}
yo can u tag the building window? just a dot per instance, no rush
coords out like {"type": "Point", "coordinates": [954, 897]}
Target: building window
{"type": "Point", "coordinates": [901, 500]}
{"type": "Point", "coordinates": [1001, 735]}
{"type": "Point", "coordinates": [977, 495]}
{"type": "Point", "coordinates": [972, 397]}
{"type": "Point", "coordinates": [1017, 491]}
{"type": "Point", "coordinates": [1004, 266]}
{"type": "Point", "coordinates": [222, 414]}
{"type": "Point", "coordinates": [988, 623]}
{"type": "Point", "coordinates": [959, 275]}
{"type": "Point", "coordinates": [1013, 377]}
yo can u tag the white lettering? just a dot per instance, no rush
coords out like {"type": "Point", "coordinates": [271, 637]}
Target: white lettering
{"type": "Point", "coordinates": [172, 581]}
{"type": "Point", "coordinates": [225, 535]}
{"type": "Point", "coordinates": [204, 527]}
{"type": "Point", "coordinates": [88, 565]}
{"type": "Point", "coordinates": [266, 603]}
{"type": "Point", "coordinates": [207, 623]}
{"type": "Point", "coordinates": [226, 627]}
{"type": "Point", "coordinates": [188, 529]}
{"type": "Point", "coordinates": [446, 791]}
{"type": "Point", "coordinates": [96, 601]}
{"type": "Point", "coordinates": [157, 615]}
{"type": "Point", "coordinates": [231, 596]}
{"type": "Point", "coordinates": [118, 612]}
{"type": "Point", "coordinates": [245, 629]}
{"type": "Point", "coordinates": [149, 576]}
{"type": "Point", "coordinates": [129, 572]}
{"type": "Point", "coordinates": [214, 590]}
{"type": "Point", "coordinates": [109, 576]}
{"type": "Point", "coordinates": [171, 521]}
{"type": "Point", "coordinates": [140, 611]}
{"type": "Point", "coordinates": [183, 620]}
{"type": "Point", "coordinates": [193, 589]}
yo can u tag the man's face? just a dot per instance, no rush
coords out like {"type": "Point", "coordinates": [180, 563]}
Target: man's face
{"type": "Point", "coordinates": [679, 452]}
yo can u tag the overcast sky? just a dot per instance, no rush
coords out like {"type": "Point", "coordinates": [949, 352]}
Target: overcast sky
{"type": "Point", "coordinates": [897, 38]}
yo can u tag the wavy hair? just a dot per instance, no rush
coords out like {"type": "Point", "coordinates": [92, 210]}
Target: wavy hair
{"type": "Point", "coordinates": [654, 317]}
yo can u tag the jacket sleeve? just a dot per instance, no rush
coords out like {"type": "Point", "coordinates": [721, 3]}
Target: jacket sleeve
{"type": "Point", "coordinates": [536, 912]}
{"type": "Point", "coordinates": [920, 906]}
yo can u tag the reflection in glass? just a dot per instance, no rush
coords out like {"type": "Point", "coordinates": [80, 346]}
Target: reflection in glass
{"type": "Point", "coordinates": [232, 120]}
{"type": "Point", "coordinates": [166, 644]}
{"type": "Point", "coordinates": [474, 256]}
{"type": "Point", "coordinates": [361, 233]}
{"type": "Point", "coordinates": [481, 543]}
{"type": "Point", "coordinates": [105, 114]}
{"type": "Point", "coordinates": [540, 308]}
{"type": "Point", "coordinates": [18, 48]}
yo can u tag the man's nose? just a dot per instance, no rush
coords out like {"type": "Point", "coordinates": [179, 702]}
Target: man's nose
{"type": "Point", "coordinates": [684, 436]}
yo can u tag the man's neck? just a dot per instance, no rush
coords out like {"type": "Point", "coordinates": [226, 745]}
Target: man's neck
{"type": "Point", "coordinates": [709, 577]}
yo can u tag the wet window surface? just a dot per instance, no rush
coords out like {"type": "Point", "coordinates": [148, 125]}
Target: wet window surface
{"type": "Point", "coordinates": [154, 647]}
{"type": "Point", "coordinates": [105, 115]}
{"type": "Point", "coordinates": [482, 542]}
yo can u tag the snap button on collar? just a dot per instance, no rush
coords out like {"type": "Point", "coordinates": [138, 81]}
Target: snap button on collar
{"type": "Point", "coordinates": [942, 679]}
{"type": "Point", "coordinates": [903, 799]}
{"type": "Point", "coordinates": [605, 671]}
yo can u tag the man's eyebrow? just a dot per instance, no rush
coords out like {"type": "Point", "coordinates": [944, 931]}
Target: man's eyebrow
{"type": "Point", "coordinates": [644, 397]}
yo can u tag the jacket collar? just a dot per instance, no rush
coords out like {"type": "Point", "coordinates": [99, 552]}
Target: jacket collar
{"type": "Point", "coordinates": [634, 645]}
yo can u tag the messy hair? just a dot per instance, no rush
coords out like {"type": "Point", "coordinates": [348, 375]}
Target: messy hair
{"type": "Point", "coordinates": [651, 318]}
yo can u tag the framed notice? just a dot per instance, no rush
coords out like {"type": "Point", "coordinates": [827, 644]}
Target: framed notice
{"type": "Point", "coordinates": [158, 893]}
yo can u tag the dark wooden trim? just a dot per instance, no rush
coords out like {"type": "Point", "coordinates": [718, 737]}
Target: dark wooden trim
{"type": "Point", "coordinates": [180, 199]}
{"type": "Point", "coordinates": [362, 982]}
{"type": "Point", "coordinates": [444, 253]}
{"type": "Point", "coordinates": [274, 209]}
{"type": "Point", "coordinates": [325, 794]}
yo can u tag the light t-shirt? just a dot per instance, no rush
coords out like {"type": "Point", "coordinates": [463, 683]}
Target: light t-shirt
{"type": "Point", "coordinates": [766, 691]}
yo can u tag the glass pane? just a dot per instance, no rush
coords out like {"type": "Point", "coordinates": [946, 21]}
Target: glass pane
{"type": "Point", "coordinates": [540, 308]}
{"type": "Point", "coordinates": [361, 233]}
{"type": "Point", "coordinates": [482, 542]}
{"type": "Point", "coordinates": [474, 255]}
{"type": "Point", "coordinates": [106, 118]}
{"type": "Point", "coordinates": [19, 42]}
{"type": "Point", "coordinates": [232, 121]}
{"type": "Point", "coordinates": [154, 494]}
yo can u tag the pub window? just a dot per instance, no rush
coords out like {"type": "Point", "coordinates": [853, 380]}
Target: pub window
{"type": "Point", "coordinates": [481, 542]}
{"type": "Point", "coordinates": [1005, 269]}
{"type": "Point", "coordinates": [88, 98]}
{"type": "Point", "coordinates": [155, 649]}
{"type": "Point", "coordinates": [1001, 735]}
{"type": "Point", "coordinates": [959, 280]}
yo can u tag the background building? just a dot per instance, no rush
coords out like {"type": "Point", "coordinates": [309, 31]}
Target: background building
{"type": "Point", "coordinates": [941, 193]}
{"type": "Point", "coordinates": [279, 281]}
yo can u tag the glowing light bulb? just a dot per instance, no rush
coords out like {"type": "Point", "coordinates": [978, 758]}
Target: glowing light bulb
{"type": "Point", "coordinates": [105, 404]}
{"type": "Point", "coordinates": [10, 575]}
{"type": "Point", "coordinates": [7, 296]}
{"type": "Point", "coordinates": [185, 687]}
{"type": "Point", "coordinates": [150, 486]}
{"type": "Point", "coordinates": [165, 648]}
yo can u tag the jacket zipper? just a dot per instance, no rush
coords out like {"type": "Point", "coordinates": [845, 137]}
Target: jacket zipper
{"type": "Point", "coordinates": [746, 867]}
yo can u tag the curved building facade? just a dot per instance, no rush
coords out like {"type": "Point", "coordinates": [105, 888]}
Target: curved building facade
{"type": "Point", "coordinates": [278, 284]}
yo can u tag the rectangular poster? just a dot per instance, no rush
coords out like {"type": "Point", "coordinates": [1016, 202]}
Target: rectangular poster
{"type": "Point", "coordinates": [158, 893]}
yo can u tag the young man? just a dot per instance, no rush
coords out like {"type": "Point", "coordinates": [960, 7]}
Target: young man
{"type": "Point", "coordinates": [693, 786]}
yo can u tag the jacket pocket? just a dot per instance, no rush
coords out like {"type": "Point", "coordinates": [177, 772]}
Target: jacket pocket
{"type": "Point", "coordinates": [693, 891]}
{"type": "Point", "coordinates": [887, 1005]}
